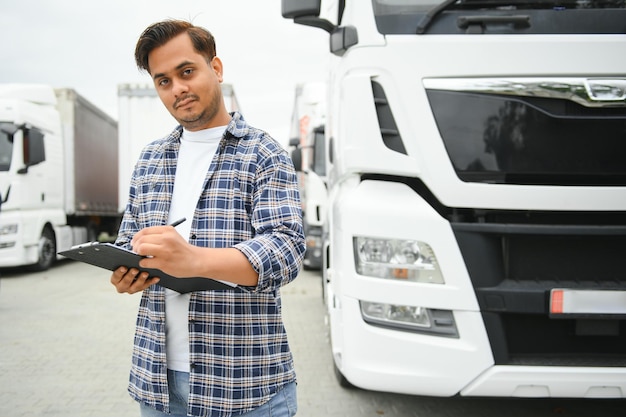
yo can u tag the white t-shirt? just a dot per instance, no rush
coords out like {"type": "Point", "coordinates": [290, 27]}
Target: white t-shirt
{"type": "Point", "coordinates": [196, 153]}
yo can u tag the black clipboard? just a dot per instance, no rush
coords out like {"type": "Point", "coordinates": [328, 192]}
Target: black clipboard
{"type": "Point", "coordinates": [111, 257]}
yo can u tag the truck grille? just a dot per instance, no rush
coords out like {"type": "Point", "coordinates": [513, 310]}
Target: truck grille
{"type": "Point", "coordinates": [547, 131]}
{"type": "Point", "coordinates": [514, 260]}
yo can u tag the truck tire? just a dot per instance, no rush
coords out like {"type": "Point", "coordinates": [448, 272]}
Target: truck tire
{"type": "Point", "coordinates": [47, 250]}
{"type": "Point", "coordinates": [92, 232]}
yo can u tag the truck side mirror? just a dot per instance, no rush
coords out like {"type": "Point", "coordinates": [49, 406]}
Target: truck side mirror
{"type": "Point", "coordinates": [306, 12]}
{"type": "Point", "coordinates": [298, 8]}
{"type": "Point", "coordinates": [34, 150]}
{"type": "Point", "coordinates": [296, 157]}
{"type": "Point", "coordinates": [343, 38]}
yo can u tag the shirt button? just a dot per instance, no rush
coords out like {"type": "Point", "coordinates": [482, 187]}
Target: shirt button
{"type": "Point", "coordinates": [193, 236]}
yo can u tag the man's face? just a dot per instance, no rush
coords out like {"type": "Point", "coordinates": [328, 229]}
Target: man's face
{"type": "Point", "coordinates": [188, 85]}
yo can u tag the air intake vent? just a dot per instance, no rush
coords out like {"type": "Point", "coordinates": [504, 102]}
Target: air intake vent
{"type": "Point", "coordinates": [388, 129]}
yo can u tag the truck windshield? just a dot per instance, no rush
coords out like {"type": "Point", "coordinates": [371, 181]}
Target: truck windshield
{"type": "Point", "coordinates": [500, 16]}
{"type": "Point", "coordinates": [6, 146]}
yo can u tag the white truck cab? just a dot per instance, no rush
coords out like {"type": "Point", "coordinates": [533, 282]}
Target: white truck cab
{"type": "Point", "coordinates": [58, 174]}
{"type": "Point", "coordinates": [476, 215]}
{"type": "Point", "coordinates": [309, 157]}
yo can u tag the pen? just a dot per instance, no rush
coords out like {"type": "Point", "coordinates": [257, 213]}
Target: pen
{"type": "Point", "coordinates": [177, 222]}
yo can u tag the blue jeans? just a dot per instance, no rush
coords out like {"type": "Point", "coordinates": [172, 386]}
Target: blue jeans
{"type": "Point", "coordinates": [283, 404]}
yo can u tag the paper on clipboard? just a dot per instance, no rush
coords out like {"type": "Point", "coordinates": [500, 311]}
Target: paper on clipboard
{"type": "Point", "coordinates": [111, 257]}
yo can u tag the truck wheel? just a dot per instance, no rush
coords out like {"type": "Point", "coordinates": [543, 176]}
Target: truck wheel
{"type": "Point", "coordinates": [92, 232]}
{"type": "Point", "coordinates": [47, 250]}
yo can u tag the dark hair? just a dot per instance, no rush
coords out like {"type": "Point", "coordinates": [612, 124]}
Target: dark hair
{"type": "Point", "coordinates": [158, 34]}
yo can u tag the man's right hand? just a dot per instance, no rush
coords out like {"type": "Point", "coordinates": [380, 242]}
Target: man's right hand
{"type": "Point", "coordinates": [131, 280]}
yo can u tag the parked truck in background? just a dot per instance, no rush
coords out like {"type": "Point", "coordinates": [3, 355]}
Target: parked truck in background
{"type": "Point", "coordinates": [477, 195]}
{"type": "Point", "coordinates": [142, 119]}
{"type": "Point", "coordinates": [65, 168]}
{"type": "Point", "coordinates": [58, 173]}
{"type": "Point", "coordinates": [307, 136]}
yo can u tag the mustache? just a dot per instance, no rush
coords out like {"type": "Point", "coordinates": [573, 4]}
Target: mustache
{"type": "Point", "coordinates": [183, 98]}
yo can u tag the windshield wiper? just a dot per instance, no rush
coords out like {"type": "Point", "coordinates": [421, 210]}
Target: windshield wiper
{"type": "Point", "coordinates": [464, 22]}
{"type": "Point", "coordinates": [432, 13]}
{"type": "Point", "coordinates": [478, 22]}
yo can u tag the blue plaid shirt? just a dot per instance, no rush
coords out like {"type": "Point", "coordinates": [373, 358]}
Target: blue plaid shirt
{"type": "Point", "coordinates": [238, 345]}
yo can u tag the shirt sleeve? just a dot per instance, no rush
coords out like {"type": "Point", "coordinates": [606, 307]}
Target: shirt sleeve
{"type": "Point", "coordinates": [277, 248]}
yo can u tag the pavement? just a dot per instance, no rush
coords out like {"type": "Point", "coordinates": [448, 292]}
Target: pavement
{"type": "Point", "coordinates": [66, 340]}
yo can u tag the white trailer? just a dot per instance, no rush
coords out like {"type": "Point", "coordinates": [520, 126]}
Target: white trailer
{"type": "Point", "coordinates": [58, 173]}
{"type": "Point", "coordinates": [307, 136]}
{"type": "Point", "coordinates": [477, 195]}
{"type": "Point", "coordinates": [142, 119]}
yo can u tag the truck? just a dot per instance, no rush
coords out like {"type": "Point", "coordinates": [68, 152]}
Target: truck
{"type": "Point", "coordinates": [58, 173]}
{"type": "Point", "coordinates": [142, 119]}
{"type": "Point", "coordinates": [476, 214]}
{"type": "Point", "coordinates": [307, 138]}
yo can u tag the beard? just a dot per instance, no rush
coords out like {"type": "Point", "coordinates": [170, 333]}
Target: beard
{"type": "Point", "coordinates": [202, 118]}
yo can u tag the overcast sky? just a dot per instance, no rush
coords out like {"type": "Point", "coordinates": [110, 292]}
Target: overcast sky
{"type": "Point", "coordinates": [89, 46]}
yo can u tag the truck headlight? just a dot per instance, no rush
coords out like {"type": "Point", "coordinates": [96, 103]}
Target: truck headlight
{"type": "Point", "coordinates": [409, 318]}
{"type": "Point", "coordinates": [8, 229]}
{"type": "Point", "coordinates": [409, 260]}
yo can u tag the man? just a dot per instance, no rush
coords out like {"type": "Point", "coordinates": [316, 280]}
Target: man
{"type": "Point", "coordinates": [221, 352]}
